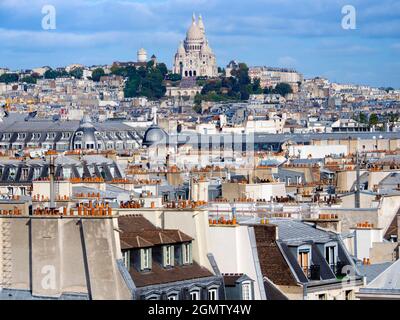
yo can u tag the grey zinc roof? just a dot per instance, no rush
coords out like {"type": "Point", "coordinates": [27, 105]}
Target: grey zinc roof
{"type": "Point", "coordinates": [294, 231]}
{"type": "Point", "coordinates": [16, 124]}
{"type": "Point", "coordinates": [388, 281]}
{"type": "Point", "coordinates": [373, 270]}
{"type": "Point", "coordinates": [392, 179]}
{"type": "Point", "coordinates": [97, 159]}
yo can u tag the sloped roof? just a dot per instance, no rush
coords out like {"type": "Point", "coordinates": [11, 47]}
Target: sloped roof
{"type": "Point", "coordinates": [371, 271]}
{"type": "Point", "coordinates": [388, 282]}
{"type": "Point", "coordinates": [138, 232]}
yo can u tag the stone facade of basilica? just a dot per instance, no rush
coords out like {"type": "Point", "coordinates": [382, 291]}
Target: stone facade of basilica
{"type": "Point", "coordinates": [194, 57]}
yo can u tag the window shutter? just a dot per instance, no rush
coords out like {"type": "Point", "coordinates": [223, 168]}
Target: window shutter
{"type": "Point", "coordinates": [142, 259]}
{"type": "Point", "coordinates": [183, 254]}
{"type": "Point", "coordinates": [172, 255]}
{"type": "Point", "coordinates": [164, 255]}
{"type": "Point", "coordinates": [150, 258]}
{"type": "Point", "coordinates": [190, 253]}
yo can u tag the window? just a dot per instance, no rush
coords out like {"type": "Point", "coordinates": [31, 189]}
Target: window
{"type": "Point", "coordinates": [24, 174]}
{"type": "Point", "coordinates": [12, 174]}
{"type": "Point", "coordinates": [304, 259]}
{"type": "Point", "coordinates": [213, 294]}
{"type": "Point", "coordinates": [187, 253]}
{"type": "Point", "coordinates": [246, 291]}
{"type": "Point", "coordinates": [145, 259]}
{"type": "Point", "coordinates": [322, 296]}
{"type": "Point", "coordinates": [330, 255]}
{"type": "Point", "coordinates": [195, 295]}
{"type": "Point", "coordinates": [172, 296]}
{"type": "Point", "coordinates": [349, 295]}
{"type": "Point", "coordinates": [67, 173]}
{"type": "Point", "coordinates": [36, 173]}
{"type": "Point", "coordinates": [168, 256]}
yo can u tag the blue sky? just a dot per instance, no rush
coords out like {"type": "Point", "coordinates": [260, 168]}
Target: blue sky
{"type": "Point", "coordinates": [304, 34]}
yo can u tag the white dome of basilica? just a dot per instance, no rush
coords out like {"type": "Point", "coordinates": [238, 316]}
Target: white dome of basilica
{"type": "Point", "coordinates": [194, 56]}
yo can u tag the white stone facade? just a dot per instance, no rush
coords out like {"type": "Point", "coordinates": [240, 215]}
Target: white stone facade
{"type": "Point", "coordinates": [194, 57]}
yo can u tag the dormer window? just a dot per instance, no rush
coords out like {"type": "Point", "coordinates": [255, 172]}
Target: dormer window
{"type": "Point", "coordinates": [112, 171]}
{"type": "Point", "coordinates": [247, 292]}
{"type": "Point", "coordinates": [36, 172]}
{"type": "Point", "coordinates": [304, 258]}
{"type": "Point", "coordinates": [145, 259]}
{"type": "Point", "coordinates": [213, 294]}
{"type": "Point", "coordinates": [12, 174]}
{"type": "Point", "coordinates": [331, 254]}
{"type": "Point", "coordinates": [67, 172]}
{"type": "Point", "coordinates": [195, 294]}
{"type": "Point", "coordinates": [187, 253]}
{"type": "Point", "coordinates": [24, 174]}
{"type": "Point", "coordinates": [168, 256]}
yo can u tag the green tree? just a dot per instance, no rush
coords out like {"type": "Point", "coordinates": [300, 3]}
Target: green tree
{"type": "Point", "coordinates": [97, 74]}
{"type": "Point", "coordinates": [373, 119]}
{"type": "Point", "coordinates": [29, 79]}
{"type": "Point", "coordinates": [9, 77]}
{"type": "Point", "coordinates": [51, 74]}
{"type": "Point", "coordinates": [393, 117]}
{"type": "Point", "coordinates": [145, 81]}
{"type": "Point", "coordinates": [256, 87]}
{"type": "Point", "coordinates": [77, 73]}
{"type": "Point", "coordinates": [268, 90]}
{"type": "Point", "coordinates": [283, 89]}
{"type": "Point", "coordinates": [174, 77]}
{"type": "Point", "coordinates": [362, 118]}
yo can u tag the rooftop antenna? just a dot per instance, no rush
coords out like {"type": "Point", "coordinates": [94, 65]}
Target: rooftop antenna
{"type": "Point", "coordinates": [358, 191]}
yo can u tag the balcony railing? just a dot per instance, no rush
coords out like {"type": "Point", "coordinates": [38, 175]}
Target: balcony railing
{"type": "Point", "coordinates": [312, 272]}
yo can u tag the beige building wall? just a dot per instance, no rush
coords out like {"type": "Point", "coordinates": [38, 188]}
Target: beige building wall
{"type": "Point", "coordinates": [235, 191]}
{"type": "Point", "coordinates": [52, 256]}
